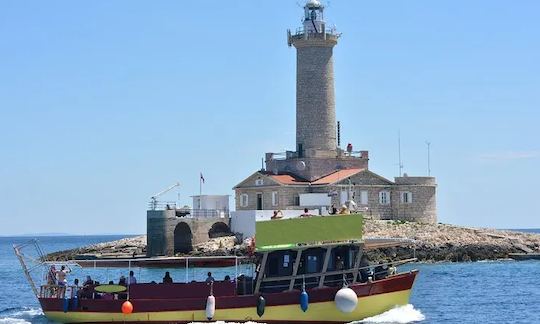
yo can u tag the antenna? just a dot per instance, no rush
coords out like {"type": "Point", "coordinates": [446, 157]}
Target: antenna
{"type": "Point", "coordinates": [338, 134]}
{"type": "Point", "coordinates": [428, 158]}
{"type": "Point", "coordinates": [400, 163]}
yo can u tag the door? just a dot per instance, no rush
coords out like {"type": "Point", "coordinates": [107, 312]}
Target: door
{"type": "Point", "coordinates": [259, 201]}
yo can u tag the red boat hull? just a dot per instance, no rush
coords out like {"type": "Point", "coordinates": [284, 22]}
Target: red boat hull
{"type": "Point", "coordinates": [184, 303]}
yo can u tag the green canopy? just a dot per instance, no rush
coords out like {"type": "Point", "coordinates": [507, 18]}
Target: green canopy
{"type": "Point", "coordinates": [285, 233]}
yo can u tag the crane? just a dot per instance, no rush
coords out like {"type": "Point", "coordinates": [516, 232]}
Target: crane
{"type": "Point", "coordinates": [153, 199]}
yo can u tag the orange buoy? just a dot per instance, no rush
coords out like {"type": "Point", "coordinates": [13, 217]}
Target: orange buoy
{"type": "Point", "coordinates": [127, 307]}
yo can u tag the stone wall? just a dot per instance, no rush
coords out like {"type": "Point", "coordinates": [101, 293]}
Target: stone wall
{"type": "Point", "coordinates": [161, 226]}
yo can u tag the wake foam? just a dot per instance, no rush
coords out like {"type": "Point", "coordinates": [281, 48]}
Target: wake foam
{"type": "Point", "coordinates": [22, 316]}
{"type": "Point", "coordinates": [398, 315]}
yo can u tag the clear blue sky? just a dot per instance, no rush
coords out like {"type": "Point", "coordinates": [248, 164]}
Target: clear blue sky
{"type": "Point", "coordinates": [103, 103]}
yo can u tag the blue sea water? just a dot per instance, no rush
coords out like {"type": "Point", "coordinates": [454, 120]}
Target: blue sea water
{"type": "Point", "coordinates": [480, 292]}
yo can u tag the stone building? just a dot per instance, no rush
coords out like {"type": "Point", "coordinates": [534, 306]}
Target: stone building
{"type": "Point", "coordinates": [318, 173]}
{"type": "Point", "coordinates": [175, 230]}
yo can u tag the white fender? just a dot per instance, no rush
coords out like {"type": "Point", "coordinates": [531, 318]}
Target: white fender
{"type": "Point", "coordinates": [210, 307]}
{"type": "Point", "coordinates": [346, 300]}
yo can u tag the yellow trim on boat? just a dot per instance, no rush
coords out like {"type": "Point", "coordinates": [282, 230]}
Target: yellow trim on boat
{"type": "Point", "coordinates": [323, 311]}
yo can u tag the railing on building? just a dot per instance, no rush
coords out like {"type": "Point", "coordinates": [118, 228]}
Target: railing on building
{"type": "Point", "coordinates": [187, 211]}
{"type": "Point", "coordinates": [301, 33]}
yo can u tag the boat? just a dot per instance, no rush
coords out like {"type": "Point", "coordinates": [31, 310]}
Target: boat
{"type": "Point", "coordinates": [524, 256]}
{"type": "Point", "coordinates": [306, 270]}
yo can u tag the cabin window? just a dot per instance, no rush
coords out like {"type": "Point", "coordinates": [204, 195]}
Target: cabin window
{"type": "Point", "coordinates": [339, 259]}
{"type": "Point", "coordinates": [384, 197]}
{"type": "Point", "coordinates": [244, 200]}
{"type": "Point", "coordinates": [363, 197]}
{"type": "Point", "coordinates": [406, 197]}
{"type": "Point", "coordinates": [275, 198]}
{"type": "Point", "coordinates": [273, 267]}
{"type": "Point", "coordinates": [312, 264]}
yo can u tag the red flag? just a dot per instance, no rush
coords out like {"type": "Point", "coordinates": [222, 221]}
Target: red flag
{"type": "Point", "coordinates": [202, 178]}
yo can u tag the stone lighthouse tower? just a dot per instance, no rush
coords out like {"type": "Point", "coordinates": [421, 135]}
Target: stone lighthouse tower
{"type": "Point", "coordinates": [315, 104]}
{"type": "Point", "coordinates": [317, 153]}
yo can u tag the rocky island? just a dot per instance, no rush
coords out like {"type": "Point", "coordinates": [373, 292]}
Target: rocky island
{"type": "Point", "coordinates": [428, 243]}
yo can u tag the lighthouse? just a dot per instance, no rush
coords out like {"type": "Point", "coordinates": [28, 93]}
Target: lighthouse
{"type": "Point", "coordinates": [317, 152]}
{"type": "Point", "coordinates": [315, 103]}
{"type": "Point", "coordinates": [318, 173]}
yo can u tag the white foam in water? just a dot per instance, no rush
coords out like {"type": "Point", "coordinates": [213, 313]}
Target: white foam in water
{"type": "Point", "coordinates": [20, 316]}
{"type": "Point", "coordinates": [221, 322]}
{"type": "Point", "coordinates": [398, 315]}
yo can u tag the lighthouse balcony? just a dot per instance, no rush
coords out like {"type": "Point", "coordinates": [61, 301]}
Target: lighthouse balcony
{"type": "Point", "coordinates": [302, 33]}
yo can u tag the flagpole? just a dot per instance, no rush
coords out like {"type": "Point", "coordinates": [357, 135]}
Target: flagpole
{"type": "Point", "coordinates": [200, 189]}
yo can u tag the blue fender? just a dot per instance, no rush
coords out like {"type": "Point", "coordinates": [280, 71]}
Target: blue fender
{"type": "Point", "coordinates": [65, 305]}
{"type": "Point", "coordinates": [304, 301]}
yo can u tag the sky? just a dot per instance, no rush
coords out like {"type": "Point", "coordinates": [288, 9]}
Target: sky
{"type": "Point", "coordinates": [104, 103]}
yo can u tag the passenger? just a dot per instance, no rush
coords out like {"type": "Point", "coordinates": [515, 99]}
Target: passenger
{"type": "Point", "coordinates": [381, 271]}
{"type": "Point", "coordinates": [51, 276]}
{"type": "Point", "coordinates": [340, 265]}
{"type": "Point", "coordinates": [75, 288]}
{"type": "Point", "coordinates": [344, 210]}
{"type": "Point", "coordinates": [209, 279]}
{"type": "Point", "coordinates": [277, 214]}
{"type": "Point", "coordinates": [392, 270]}
{"type": "Point", "coordinates": [306, 213]}
{"type": "Point", "coordinates": [131, 280]}
{"type": "Point", "coordinates": [61, 278]}
{"type": "Point", "coordinates": [227, 278]}
{"type": "Point", "coordinates": [51, 281]}
{"type": "Point", "coordinates": [88, 281]}
{"type": "Point", "coordinates": [364, 269]}
{"type": "Point", "coordinates": [122, 281]}
{"type": "Point", "coordinates": [167, 278]}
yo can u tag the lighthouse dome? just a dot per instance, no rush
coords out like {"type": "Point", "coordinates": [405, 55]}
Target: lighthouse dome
{"type": "Point", "coordinates": [313, 4]}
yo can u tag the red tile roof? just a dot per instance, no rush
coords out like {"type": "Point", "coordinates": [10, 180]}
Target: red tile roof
{"type": "Point", "coordinates": [289, 179]}
{"type": "Point", "coordinates": [336, 176]}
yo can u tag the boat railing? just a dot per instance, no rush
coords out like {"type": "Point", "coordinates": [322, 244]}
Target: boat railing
{"type": "Point", "coordinates": [186, 211]}
{"type": "Point", "coordinates": [57, 291]}
{"type": "Point", "coordinates": [320, 278]}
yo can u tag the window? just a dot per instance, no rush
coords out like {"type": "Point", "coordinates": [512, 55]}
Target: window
{"type": "Point", "coordinates": [363, 197]}
{"type": "Point", "coordinates": [244, 200]}
{"type": "Point", "coordinates": [312, 264]}
{"type": "Point", "coordinates": [384, 197]}
{"type": "Point", "coordinates": [343, 197]}
{"type": "Point", "coordinates": [259, 182]}
{"type": "Point", "coordinates": [406, 197]}
{"type": "Point", "coordinates": [275, 198]}
{"type": "Point", "coordinates": [297, 201]}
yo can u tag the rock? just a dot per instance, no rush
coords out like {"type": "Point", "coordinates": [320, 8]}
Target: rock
{"type": "Point", "coordinates": [433, 243]}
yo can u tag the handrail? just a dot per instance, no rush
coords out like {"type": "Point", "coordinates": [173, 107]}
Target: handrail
{"type": "Point", "coordinates": [331, 273]}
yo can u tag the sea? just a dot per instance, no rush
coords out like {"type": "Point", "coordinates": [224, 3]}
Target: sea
{"type": "Point", "coordinates": [503, 291]}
